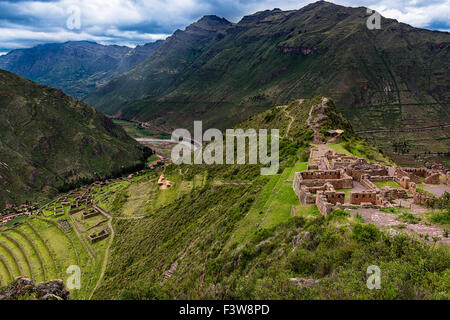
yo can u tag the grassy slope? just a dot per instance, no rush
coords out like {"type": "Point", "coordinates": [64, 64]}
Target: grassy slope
{"type": "Point", "coordinates": [240, 241]}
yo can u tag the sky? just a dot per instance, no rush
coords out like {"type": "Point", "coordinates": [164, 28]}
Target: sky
{"type": "Point", "coordinates": [26, 23]}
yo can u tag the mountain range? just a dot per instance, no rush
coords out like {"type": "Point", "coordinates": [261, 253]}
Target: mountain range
{"type": "Point", "coordinates": [393, 78]}
{"type": "Point", "coordinates": [76, 67]}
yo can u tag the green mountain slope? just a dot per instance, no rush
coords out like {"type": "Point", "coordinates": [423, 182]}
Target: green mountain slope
{"type": "Point", "coordinates": [395, 77]}
{"type": "Point", "coordinates": [226, 232]}
{"type": "Point", "coordinates": [76, 67]}
{"type": "Point", "coordinates": [50, 141]}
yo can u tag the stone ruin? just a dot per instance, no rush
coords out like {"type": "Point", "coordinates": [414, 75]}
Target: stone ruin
{"type": "Point", "coordinates": [95, 237]}
{"type": "Point", "coordinates": [58, 211]}
{"type": "Point", "coordinates": [338, 171]}
{"type": "Point", "coordinates": [328, 198]}
{"type": "Point", "coordinates": [337, 178]}
{"type": "Point", "coordinates": [89, 213]}
{"type": "Point", "coordinates": [416, 175]}
{"type": "Point", "coordinates": [361, 167]}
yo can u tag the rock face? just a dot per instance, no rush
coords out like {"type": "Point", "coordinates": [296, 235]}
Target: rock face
{"type": "Point", "coordinates": [24, 288]}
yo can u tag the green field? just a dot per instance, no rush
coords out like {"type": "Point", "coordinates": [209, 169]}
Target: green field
{"type": "Point", "coordinates": [136, 131]}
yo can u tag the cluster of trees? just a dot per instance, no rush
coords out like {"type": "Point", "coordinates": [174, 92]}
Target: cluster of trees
{"type": "Point", "coordinates": [401, 146]}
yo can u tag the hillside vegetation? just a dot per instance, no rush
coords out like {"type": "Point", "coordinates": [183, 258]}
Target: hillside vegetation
{"type": "Point", "coordinates": [226, 232]}
{"type": "Point", "coordinates": [50, 142]}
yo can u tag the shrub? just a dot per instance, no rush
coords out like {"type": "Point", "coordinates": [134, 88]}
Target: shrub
{"type": "Point", "coordinates": [304, 262]}
{"type": "Point", "coordinates": [262, 234]}
{"type": "Point", "coordinates": [409, 217]}
{"type": "Point", "coordinates": [441, 217]}
{"type": "Point", "coordinates": [365, 233]}
{"type": "Point", "coordinates": [442, 202]}
{"type": "Point", "coordinates": [331, 239]}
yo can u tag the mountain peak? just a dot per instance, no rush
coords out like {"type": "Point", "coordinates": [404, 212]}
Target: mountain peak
{"type": "Point", "coordinates": [210, 23]}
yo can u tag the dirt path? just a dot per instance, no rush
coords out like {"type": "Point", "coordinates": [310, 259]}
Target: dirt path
{"type": "Point", "coordinates": [438, 191]}
{"type": "Point", "coordinates": [314, 126]}
{"type": "Point", "coordinates": [290, 122]}
{"type": "Point", "coordinates": [105, 260]}
{"type": "Point", "coordinates": [174, 266]}
{"type": "Point", "coordinates": [389, 220]}
{"type": "Point", "coordinates": [130, 218]}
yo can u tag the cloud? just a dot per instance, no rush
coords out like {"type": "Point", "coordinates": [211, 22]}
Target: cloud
{"type": "Point", "coordinates": [25, 23]}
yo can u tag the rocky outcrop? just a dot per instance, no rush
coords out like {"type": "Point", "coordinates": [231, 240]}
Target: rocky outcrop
{"type": "Point", "coordinates": [24, 288]}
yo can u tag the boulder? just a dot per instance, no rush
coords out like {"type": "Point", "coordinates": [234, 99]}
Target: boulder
{"type": "Point", "coordinates": [24, 288]}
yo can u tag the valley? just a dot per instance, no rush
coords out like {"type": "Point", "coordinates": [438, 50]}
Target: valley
{"type": "Point", "coordinates": [222, 73]}
{"type": "Point", "coordinates": [196, 236]}
{"type": "Point", "coordinates": [314, 154]}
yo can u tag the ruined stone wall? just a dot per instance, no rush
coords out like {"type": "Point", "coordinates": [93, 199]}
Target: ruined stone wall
{"type": "Point", "coordinates": [322, 204]}
{"type": "Point", "coordinates": [420, 172]}
{"type": "Point", "coordinates": [380, 178]}
{"type": "Point", "coordinates": [421, 198]}
{"type": "Point", "coordinates": [365, 196]}
{"type": "Point", "coordinates": [335, 197]}
{"type": "Point", "coordinates": [433, 178]}
{"type": "Point", "coordinates": [368, 184]}
{"type": "Point", "coordinates": [296, 183]}
{"type": "Point", "coordinates": [404, 182]}
{"type": "Point", "coordinates": [324, 174]}
{"type": "Point", "coordinates": [357, 174]}
{"type": "Point", "coordinates": [324, 164]}
{"type": "Point", "coordinates": [338, 179]}
{"type": "Point", "coordinates": [399, 173]}
{"type": "Point", "coordinates": [392, 193]}
{"type": "Point", "coordinates": [340, 164]}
